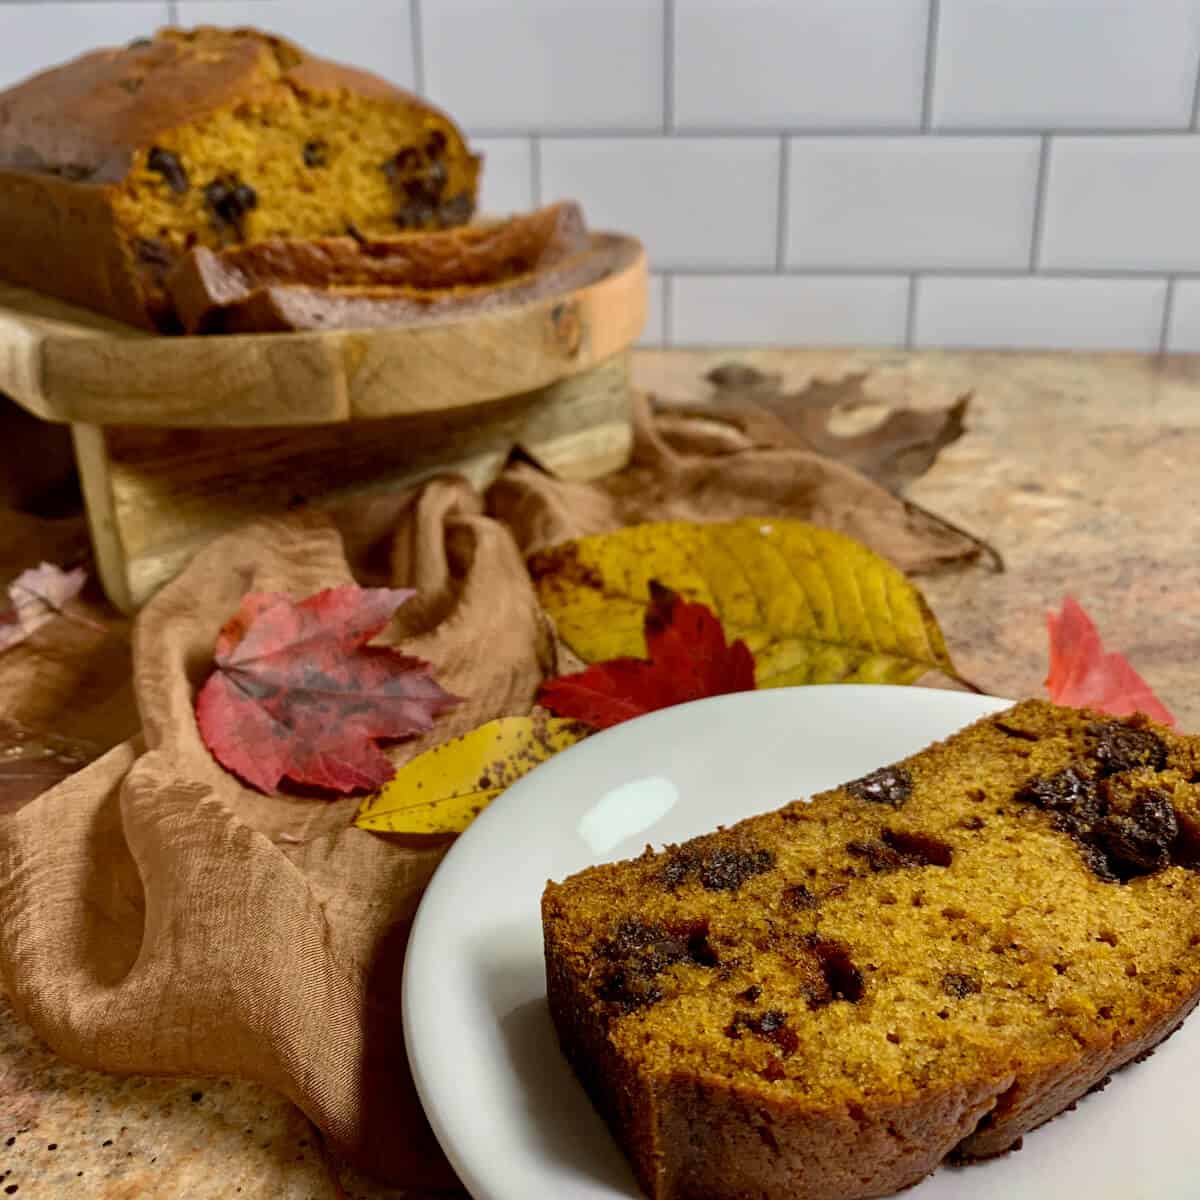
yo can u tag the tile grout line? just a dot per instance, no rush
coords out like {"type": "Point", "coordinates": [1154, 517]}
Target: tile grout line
{"type": "Point", "coordinates": [782, 200]}
{"type": "Point", "coordinates": [1037, 232]}
{"type": "Point", "coordinates": [1168, 312]}
{"type": "Point", "coordinates": [910, 318]}
{"type": "Point", "coordinates": [535, 169]}
{"type": "Point", "coordinates": [1196, 98]}
{"type": "Point", "coordinates": [931, 37]}
{"type": "Point", "coordinates": [418, 46]}
{"type": "Point", "coordinates": [815, 271]}
{"type": "Point", "coordinates": [668, 65]}
{"type": "Point", "coordinates": [667, 313]}
{"type": "Point", "coordinates": [848, 132]}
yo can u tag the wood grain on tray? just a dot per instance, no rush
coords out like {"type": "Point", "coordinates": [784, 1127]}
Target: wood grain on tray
{"type": "Point", "coordinates": [66, 364]}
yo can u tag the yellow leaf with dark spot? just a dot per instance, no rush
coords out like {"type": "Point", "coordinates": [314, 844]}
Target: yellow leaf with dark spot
{"type": "Point", "coordinates": [814, 606]}
{"type": "Point", "coordinates": [446, 788]}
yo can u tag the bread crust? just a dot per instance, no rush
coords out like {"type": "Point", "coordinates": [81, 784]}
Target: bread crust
{"type": "Point", "coordinates": [1035, 1099]}
{"type": "Point", "coordinates": [287, 309]}
{"type": "Point", "coordinates": [78, 117]}
{"type": "Point", "coordinates": [206, 283]}
{"type": "Point", "coordinates": [62, 238]}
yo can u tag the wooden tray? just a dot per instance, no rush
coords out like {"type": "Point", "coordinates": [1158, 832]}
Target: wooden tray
{"type": "Point", "coordinates": [177, 438]}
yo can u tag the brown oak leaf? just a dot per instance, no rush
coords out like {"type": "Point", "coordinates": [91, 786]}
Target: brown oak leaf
{"type": "Point", "coordinates": [894, 452]}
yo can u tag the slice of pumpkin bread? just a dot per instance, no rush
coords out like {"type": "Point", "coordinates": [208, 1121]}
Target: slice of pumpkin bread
{"type": "Point", "coordinates": [824, 1002]}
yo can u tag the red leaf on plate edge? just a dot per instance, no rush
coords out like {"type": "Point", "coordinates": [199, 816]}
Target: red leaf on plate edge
{"type": "Point", "coordinates": [689, 659]}
{"type": "Point", "coordinates": [1084, 675]}
{"type": "Point", "coordinates": [296, 691]}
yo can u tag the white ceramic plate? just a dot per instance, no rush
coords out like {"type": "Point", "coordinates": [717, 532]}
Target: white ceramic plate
{"type": "Point", "coordinates": [502, 1100]}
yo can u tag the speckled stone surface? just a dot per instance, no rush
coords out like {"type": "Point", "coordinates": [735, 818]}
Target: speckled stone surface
{"type": "Point", "coordinates": [1081, 470]}
{"type": "Point", "coordinates": [69, 1132]}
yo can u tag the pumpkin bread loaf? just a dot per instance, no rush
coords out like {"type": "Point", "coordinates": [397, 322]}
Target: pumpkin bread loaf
{"type": "Point", "coordinates": [115, 165]}
{"type": "Point", "coordinates": [825, 1002]}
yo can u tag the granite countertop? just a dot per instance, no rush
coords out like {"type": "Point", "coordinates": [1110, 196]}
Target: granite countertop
{"type": "Point", "coordinates": [1079, 469]}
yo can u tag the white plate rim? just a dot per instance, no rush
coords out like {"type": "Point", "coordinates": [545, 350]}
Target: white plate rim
{"type": "Point", "coordinates": [479, 1177]}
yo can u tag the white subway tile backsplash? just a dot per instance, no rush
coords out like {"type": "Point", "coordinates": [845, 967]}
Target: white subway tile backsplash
{"type": "Point", "coordinates": [911, 202]}
{"type": "Point", "coordinates": [546, 64]}
{"type": "Point", "coordinates": [1123, 203]}
{"type": "Point", "coordinates": [36, 36]}
{"type": "Point", "coordinates": [507, 182]}
{"type": "Point", "coordinates": [699, 203]}
{"type": "Point", "coordinates": [373, 34]}
{"type": "Point", "coordinates": [778, 64]}
{"type": "Point", "coordinates": [788, 310]}
{"type": "Point", "coordinates": [655, 331]}
{"type": "Point", "coordinates": [1183, 332]}
{"type": "Point", "coordinates": [1043, 314]}
{"type": "Point", "coordinates": [1066, 64]}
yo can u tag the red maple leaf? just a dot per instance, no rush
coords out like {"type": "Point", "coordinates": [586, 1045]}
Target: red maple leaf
{"type": "Point", "coordinates": [688, 660]}
{"type": "Point", "coordinates": [297, 692]}
{"type": "Point", "coordinates": [1084, 675]}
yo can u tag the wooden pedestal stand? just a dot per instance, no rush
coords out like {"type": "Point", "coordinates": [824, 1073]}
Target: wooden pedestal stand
{"type": "Point", "coordinates": [178, 438]}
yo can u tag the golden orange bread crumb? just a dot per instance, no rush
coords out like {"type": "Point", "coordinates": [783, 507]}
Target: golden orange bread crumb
{"type": "Point", "coordinates": [824, 1002]}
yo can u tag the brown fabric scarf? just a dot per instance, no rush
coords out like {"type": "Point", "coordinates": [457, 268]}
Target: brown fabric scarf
{"type": "Point", "coordinates": [157, 917]}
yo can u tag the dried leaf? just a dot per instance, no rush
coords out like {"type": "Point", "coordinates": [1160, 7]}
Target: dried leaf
{"type": "Point", "coordinates": [297, 692]}
{"type": "Point", "coordinates": [37, 596]}
{"type": "Point", "coordinates": [736, 375]}
{"type": "Point", "coordinates": [687, 658]}
{"type": "Point", "coordinates": [812, 605]}
{"type": "Point", "coordinates": [894, 452]}
{"type": "Point", "coordinates": [1084, 675]}
{"type": "Point", "coordinates": [899, 449]}
{"type": "Point", "coordinates": [446, 788]}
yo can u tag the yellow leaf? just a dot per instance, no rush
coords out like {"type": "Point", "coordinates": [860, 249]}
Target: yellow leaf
{"type": "Point", "coordinates": [446, 788]}
{"type": "Point", "coordinates": [814, 606]}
